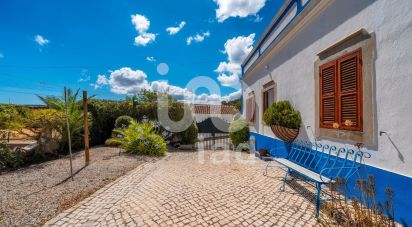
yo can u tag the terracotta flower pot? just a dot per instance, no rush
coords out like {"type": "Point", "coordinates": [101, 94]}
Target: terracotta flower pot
{"type": "Point", "coordinates": [285, 134]}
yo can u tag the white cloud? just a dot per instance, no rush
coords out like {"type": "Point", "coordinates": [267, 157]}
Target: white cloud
{"type": "Point", "coordinates": [142, 25]}
{"type": "Point", "coordinates": [151, 59]}
{"type": "Point", "coordinates": [237, 50]}
{"type": "Point", "coordinates": [84, 79]}
{"type": "Point", "coordinates": [175, 30]}
{"type": "Point", "coordinates": [228, 80]}
{"type": "Point", "coordinates": [237, 8]}
{"type": "Point", "coordinates": [206, 98]}
{"type": "Point", "coordinates": [41, 40]}
{"type": "Point", "coordinates": [185, 95]}
{"type": "Point", "coordinates": [232, 96]}
{"type": "Point", "coordinates": [176, 92]}
{"type": "Point", "coordinates": [258, 18]}
{"type": "Point", "coordinates": [127, 81]}
{"type": "Point", "coordinates": [84, 76]}
{"type": "Point", "coordinates": [124, 81]}
{"type": "Point", "coordinates": [197, 38]}
{"type": "Point", "coordinates": [239, 47]}
{"type": "Point", "coordinates": [100, 82]}
{"type": "Point", "coordinates": [144, 39]}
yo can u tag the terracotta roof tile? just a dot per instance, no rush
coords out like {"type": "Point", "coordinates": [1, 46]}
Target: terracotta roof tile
{"type": "Point", "coordinates": [214, 109]}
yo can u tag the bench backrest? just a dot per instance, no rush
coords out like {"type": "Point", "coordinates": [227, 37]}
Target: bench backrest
{"type": "Point", "coordinates": [328, 160]}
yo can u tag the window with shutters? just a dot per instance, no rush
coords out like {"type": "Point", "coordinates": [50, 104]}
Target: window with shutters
{"type": "Point", "coordinates": [340, 86]}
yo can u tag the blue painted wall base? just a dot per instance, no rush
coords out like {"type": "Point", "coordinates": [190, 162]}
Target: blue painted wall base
{"type": "Point", "coordinates": [401, 185]}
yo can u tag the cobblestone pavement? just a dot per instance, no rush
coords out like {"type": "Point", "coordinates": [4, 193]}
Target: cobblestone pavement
{"type": "Point", "coordinates": [195, 189]}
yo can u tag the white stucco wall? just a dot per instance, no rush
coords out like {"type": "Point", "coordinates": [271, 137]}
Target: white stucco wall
{"type": "Point", "coordinates": [291, 66]}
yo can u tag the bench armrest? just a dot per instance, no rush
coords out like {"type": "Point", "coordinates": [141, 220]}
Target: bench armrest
{"type": "Point", "coordinates": [335, 168]}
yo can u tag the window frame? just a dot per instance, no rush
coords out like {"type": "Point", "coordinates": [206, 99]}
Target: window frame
{"type": "Point", "coordinates": [338, 93]}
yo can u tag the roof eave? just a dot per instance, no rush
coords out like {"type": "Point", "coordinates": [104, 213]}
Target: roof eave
{"type": "Point", "coordinates": [267, 31]}
{"type": "Point", "coordinates": [311, 4]}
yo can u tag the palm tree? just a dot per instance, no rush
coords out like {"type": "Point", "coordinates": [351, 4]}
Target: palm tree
{"type": "Point", "coordinates": [74, 114]}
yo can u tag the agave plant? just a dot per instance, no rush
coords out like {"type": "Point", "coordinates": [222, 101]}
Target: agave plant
{"type": "Point", "coordinates": [74, 115]}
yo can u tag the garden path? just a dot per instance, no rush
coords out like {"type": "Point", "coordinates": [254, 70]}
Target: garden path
{"type": "Point", "coordinates": [195, 189]}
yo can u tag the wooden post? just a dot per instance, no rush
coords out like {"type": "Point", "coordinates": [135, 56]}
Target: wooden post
{"type": "Point", "coordinates": [86, 128]}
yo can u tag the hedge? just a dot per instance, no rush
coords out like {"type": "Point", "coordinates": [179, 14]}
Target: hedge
{"type": "Point", "coordinates": [105, 114]}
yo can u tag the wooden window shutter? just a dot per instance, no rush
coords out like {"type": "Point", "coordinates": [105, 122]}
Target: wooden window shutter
{"type": "Point", "coordinates": [340, 92]}
{"type": "Point", "coordinates": [265, 101]}
{"type": "Point", "coordinates": [268, 95]}
{"type": "Point", "coordinates": [328, 102]}
{"type": "Point", "coordinates": [350, 91]}
{"type": "Point", "coordinates": [250, 109]}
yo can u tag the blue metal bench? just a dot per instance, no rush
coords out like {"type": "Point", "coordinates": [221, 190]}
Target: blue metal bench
{"type": "Point", "coordinates": [320, 164]}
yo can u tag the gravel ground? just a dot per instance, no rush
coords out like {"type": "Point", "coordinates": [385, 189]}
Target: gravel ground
{"type": "Point", "coordinates": [33, 195]}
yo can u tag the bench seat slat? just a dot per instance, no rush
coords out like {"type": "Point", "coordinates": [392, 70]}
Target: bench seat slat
{"type": "Point", "coordinates": [302, 170]}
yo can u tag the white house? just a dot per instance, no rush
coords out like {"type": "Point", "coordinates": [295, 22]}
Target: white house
{"type": "Point", "coordinates": [341, 61]}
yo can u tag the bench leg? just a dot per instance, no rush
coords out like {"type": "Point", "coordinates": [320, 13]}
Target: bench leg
{"type": "Point", "coordinates": [266, 170]}
{"type": "Point", "coordinates": [282, 188]}
{"type": "Point", "coordinates": [318, 189]}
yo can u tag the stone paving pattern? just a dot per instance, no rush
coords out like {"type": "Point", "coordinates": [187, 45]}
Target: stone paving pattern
{"type": "Point", "coordinates": [194, 189]}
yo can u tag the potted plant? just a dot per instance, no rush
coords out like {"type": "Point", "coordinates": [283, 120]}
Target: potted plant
{"type": "Point", "coordinates": [284, 120]}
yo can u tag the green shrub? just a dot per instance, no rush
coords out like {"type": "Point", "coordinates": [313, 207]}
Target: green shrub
{"type": "Point", "coordinates": [140, 138]}
{"type": "Point", "coordinates": [149, 110]}
{"type": "Point", "coordinates": [147, 96]}
{"type": "Point", "coordinates": [11, 117]}
{"type": "Point", "coordinates": [176, 111]}
{"type": "Point", "coordinates": [239, 131]}
{"type": "Point", "coordinates": [104, 115]}
{"type": "Point", "coordinates": [146, 109]}
{"type": "Point", "coordinates": [106, 112]}
{"type": "Point", "coordinates": [190, 135]}
{"type": "Point", "coordinates": [283, 114]}
{"type": "Point", "coordinates": [112, 142]}
{"type": "Point", "coordinates": [123, 122]}
{"type": "Point", "coordinates": [8, 158]}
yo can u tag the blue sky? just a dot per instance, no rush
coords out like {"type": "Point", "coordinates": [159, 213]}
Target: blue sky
{"type": "Point", "coordinates": [47, 44]}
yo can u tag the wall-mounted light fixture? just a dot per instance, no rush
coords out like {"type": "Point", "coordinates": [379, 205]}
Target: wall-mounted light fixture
{"type": "Point", "coordinates": [381, 133]}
